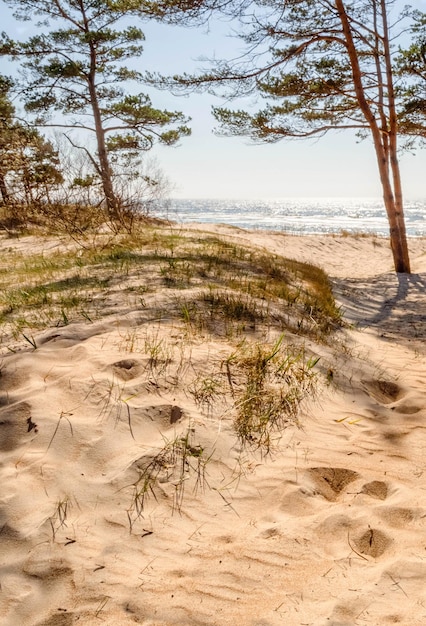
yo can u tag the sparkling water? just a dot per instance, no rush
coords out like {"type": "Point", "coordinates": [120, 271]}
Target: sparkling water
{"type": "Point", "coordinates": [299, 215]}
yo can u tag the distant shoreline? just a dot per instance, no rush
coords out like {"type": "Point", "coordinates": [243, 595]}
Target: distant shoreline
{"type": "Point", "coordinates": [302, 216]}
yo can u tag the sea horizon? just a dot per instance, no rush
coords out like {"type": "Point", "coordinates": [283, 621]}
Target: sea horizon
{"type": "Point", "coordinates": [298, 215]}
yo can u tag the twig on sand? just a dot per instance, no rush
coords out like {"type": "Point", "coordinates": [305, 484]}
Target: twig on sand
{"type": "Point", "coordinates": [57, 426]}
{"type": "Point", "coordinates": [396, 583]}
{"type": "Point", "coordinates": [355, 552]}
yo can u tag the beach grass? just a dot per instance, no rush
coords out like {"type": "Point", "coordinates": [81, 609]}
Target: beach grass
{"type": "Point", "coordinates": [261, 307]}
{"type": "Point", "coordinates": [184, 413]}
{"type": "Point", "coordinates": [231, 288]}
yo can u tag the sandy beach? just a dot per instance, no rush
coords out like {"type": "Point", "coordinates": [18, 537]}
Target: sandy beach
{"type": "Point", "coordinates": [328, 528]}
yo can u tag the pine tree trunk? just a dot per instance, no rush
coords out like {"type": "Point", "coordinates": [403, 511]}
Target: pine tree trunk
{"type": "Point", "coordinates": [392, 197]}
{"type": "Point", "coordinates": [398, 233]}
{"type": "Point", "coordinates": [3, 189]}
{"type": "Point", "coordinates": [384, 139]}
{"type": "Point", "coordinates": [112, 202]}
{"type": "Point", "coordinates": [104, 166]}
{"type": "Point", "coordinates": [398, 237]}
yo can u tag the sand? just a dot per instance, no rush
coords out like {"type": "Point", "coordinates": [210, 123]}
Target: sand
{"type": "Point", "coordinates": [329, 529]}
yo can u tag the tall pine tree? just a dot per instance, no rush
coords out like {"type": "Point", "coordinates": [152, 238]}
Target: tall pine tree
{"type": "Point", "coordinates": [75, 68]}
{"type": "Point", "coordinates": [321, 66]}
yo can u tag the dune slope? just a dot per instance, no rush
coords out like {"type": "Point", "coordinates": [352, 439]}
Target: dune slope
{"type": "Point", "coordinates": [126, 496]}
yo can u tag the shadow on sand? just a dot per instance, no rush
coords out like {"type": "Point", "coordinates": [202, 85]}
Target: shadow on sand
{"type": "Point", "coordinates": [395, 304]}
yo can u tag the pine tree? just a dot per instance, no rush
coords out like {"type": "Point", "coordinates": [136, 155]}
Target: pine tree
{"type": "Point", "coordinates": [412, 69]}
{"type": "Point", "coordinates": [322, 65]}
{"type": "Point", "coordinates": [75, 68]}
{"type": "Point", "coordinates": [29, 164]}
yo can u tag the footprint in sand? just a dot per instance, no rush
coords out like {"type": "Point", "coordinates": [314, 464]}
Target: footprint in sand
{"type": "Point", "coordinates": [373, 542]}
{"type": "Point", "coordinates": [330, 481]}
{"type": "Point", "coordinates": [406, 409]}
{"type": "Point", "coordinates": [338, 532]}
{"type": "Point", "coordinates": [15, 425]}
{"type": "Point", "coordinates": [376, 489]}
{"type": "Point", "coordinates": [166, 414]}
{"type": "Point", "coordinates": [36, 584]}
{"type": "Point", "coordinates": [382, 391]}
{"type": "Point", "coordinates": [400, 517]}
{"type": "Point", "coordinates": [127, 369]}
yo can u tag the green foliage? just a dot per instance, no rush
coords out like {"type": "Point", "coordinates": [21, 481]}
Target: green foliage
{"type": "Point", "coordinates": [29, 165]}
{"type": "Point", "coordinates": [412, 68]}
{"type": "Point", "coordinates": [276, 379]}
{"type": "Point", "coordinates": [175, 462]}
{"type": "Point", "coordinates": [237, 290]}
{"type": "Point", "coordinates": [309, 73]}
{"type": "Point", "coordinates": [78, 70]}
{"type": "Point", "coordinates": [314, 81]}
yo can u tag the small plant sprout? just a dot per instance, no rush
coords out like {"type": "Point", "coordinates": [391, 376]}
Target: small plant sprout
{"type": "Point", "coordinates": [206, 390]}
{"type": "Point", "coordinates": [274, 383]}
{"type": "Point", "coordinates": [159, 352]}
{"type": "Point", "coordinates": [174, 463]}
{"type": "Point", "coordinates": [58, 519]}
{"type": "Point", "coordinates": [30, 339]}
{"type": "Point", "coordinates": [63, 415]}
{"type": "Point", "coordinates": [114, 400]}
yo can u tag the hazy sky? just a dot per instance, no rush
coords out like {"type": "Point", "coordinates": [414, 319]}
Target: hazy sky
{"type": "Point", "coordinates": [206, 166]}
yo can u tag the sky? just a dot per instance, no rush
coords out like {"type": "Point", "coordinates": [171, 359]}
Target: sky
{"type": "Point", "coordinates": [207, 166]}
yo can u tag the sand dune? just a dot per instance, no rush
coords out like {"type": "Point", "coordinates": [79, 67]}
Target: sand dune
{"type": "Point", "coordinates": [329, 529]}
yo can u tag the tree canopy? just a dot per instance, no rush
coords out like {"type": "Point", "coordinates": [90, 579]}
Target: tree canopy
{"type": "Point", "coordinates": [77, 71]}
{"type": "Point", "coordinates": [29, 164]}
{"type": "Point", "coordinates": [412, 67]}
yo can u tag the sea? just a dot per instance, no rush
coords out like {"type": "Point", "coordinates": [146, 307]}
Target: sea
{"type": "Point", "coordinates": [298, 215]}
